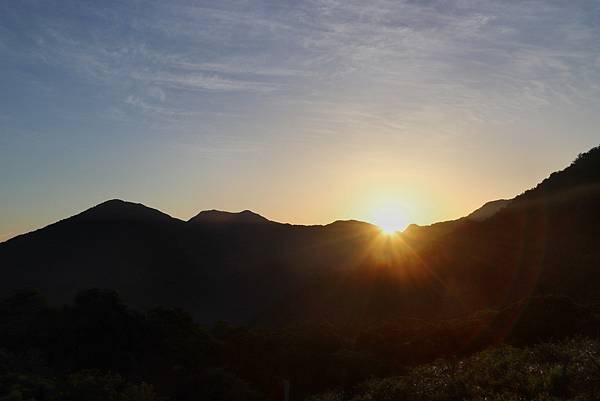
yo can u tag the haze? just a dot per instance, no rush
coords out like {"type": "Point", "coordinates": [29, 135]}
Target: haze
{"type": "Point", "coordinates": [304, 111]}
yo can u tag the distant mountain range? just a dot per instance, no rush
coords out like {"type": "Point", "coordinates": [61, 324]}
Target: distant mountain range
{"type": "Point", "coordinates": [220, 217]}
{"type": "Point", "coordinates": [243, 267]}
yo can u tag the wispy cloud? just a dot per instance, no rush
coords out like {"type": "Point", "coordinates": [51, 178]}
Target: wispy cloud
{"type": "Point", "coordinates": [480, 60]}
{"type": "Point", "coordinates": [412, 60]}
{"type": "Point", "coordinates": [203, 82]}
{"type": "Point", "coordinates": [248, 84]}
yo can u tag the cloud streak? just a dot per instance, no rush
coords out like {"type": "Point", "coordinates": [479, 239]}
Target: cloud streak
{"type": "Point", "coordinates": [410, 60]}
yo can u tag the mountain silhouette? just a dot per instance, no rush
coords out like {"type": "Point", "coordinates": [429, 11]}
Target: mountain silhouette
{"type": "Point", "coordinates": [488, 210]}
{"type": "Point", "coordinates": [433, 231]}
{"type": "Point", "coordinates": [210, 265]}
{"type": "Point", "coordinates": [220, 217]}
{"type": "Point", "coordinates": [545, 241]}
{"type": "Point", "coordinates": [243, 267]}
{"type": "Point", "coordinates": [117, 210]}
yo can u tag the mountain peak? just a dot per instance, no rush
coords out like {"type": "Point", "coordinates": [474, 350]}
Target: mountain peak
{"type": "Point", "coordinates": [222, 217]}
{"type": "Point", "coordinates": [488, 210]}
{"type": "Point", "coordinates": [120, 210]}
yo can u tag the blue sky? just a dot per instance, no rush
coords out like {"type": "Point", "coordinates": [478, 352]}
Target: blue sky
{"type": "Point", "coordinates": [304, 111]}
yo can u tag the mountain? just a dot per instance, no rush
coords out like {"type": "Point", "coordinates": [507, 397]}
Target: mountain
{"type": "Point", "coordinates": [428, 233]}
{"type": "Point", "coordinates": [243, 267]}
{"type": "Point", "coordinates": [583, 173]}
{"type": "Point", "coordinates": [440, 229]}
{"type": "Point", "coordinates": [220, 217]}
{"type": "Point", "coordinates": [488, 210]}
{"type": "Point", "coordinates": [117, 210]}
{"type": "Point", "coordinates": [545, 241]}
{"type": "Point", "coordinates": [115, 244]}
{"type": "Point", "coordinates": [217, 265]}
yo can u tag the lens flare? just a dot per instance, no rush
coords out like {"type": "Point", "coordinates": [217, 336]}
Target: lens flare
{"type": "Point", "coordinates": [389, 219]}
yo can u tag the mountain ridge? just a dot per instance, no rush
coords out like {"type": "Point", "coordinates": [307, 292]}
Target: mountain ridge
{"type": "Point", "coordinates": [488, 209]}
{"type": "Point", "coordinates": [214, 216]}
{"type": "Point", "coordinates": [343, 271]}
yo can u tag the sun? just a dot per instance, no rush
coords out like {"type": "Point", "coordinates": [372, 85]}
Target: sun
{"type": "Point", "coordinates": [389, 219]}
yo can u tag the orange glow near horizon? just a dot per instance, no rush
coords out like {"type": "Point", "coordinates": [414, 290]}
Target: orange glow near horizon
{"type": "Point", "coordinates": [389, 218]}
{"type": "Point", "coordinates": [392, 205]}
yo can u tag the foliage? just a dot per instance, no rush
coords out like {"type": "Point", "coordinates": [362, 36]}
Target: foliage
{"type": "Point", "coordinates": [100, 349]}
{"type": "Point", "coordinates": [549, 371]}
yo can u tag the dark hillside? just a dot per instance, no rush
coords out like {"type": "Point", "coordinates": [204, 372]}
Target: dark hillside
{"type": "Point", "coordinates": [242, 267]}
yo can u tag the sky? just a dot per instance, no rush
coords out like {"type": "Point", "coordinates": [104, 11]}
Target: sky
{"type": "Point", "coordinates": [304, 111]}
